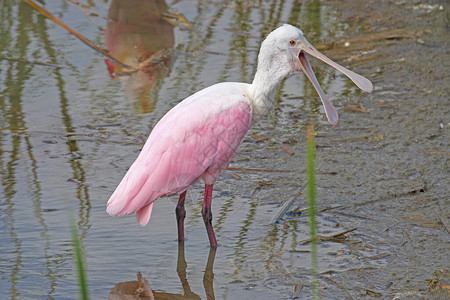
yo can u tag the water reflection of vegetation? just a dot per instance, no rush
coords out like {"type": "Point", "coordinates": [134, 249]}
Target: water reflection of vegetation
{"type": "Point", "coordinates": [18, 71]}
{"type": "Point", "coordinates": [241, 236]}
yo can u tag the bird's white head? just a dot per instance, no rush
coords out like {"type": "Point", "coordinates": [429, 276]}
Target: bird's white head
{"type": "Point", "coordinates": [284, 51]}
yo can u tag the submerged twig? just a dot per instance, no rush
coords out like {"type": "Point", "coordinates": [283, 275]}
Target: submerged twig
{"type": "Point", "coordinates": [257, 137]}
{"type": "Point", "coordinates": [437, 152]}
{"type": "Point", "coordinates": [358, 273]}
{"type": "Point", "coordinates": [371, 292]}
{"type": "Point", "coordinates": [236, 268]}
{"type": "Point", "coordinates": [297, 290]}
{"type": "Point", "coordinates": [286, 206]}
{"type": "Point", "coordinates": [339, 286]}
{"type": "Point", "coordinates": [411, 241]}
{"type": "Point", "coordinates": [443, 223]}
{"type": "Point", "coordinates": [354, 108]}
{"type": "Point", "coordinates": [77, 182]}
{"type": "Point", "coordinates": [178, 16]}
{"type": "Point", "coordinates": [261, 183]}
{"type": "Point", "coordinates": [342, 233]}
{"type": "Point", "coordinates": [286, 150]}
{"type": "Point", "coordinates": [330, 272]}
{"type": "Point", "coordinates": [330, 208]}
{"type": "Point", "coordinates": [353, 215]}
{"type": "Point", "coordinates": [153, 59]}
{"type": "Point", "coordinates": [257, 170]}
{"type": "Point", "coordinates": [323, 238]}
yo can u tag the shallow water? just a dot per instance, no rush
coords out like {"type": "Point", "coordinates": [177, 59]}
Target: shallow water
{"type": "Point", "coordinates": [70, 128]}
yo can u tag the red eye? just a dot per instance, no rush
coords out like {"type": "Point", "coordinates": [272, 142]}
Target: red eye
{"type": "Point", "coordinates": [292, 43]}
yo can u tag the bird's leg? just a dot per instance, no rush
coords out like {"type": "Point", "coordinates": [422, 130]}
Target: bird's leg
{"type": "Point", "coordinates": [181, 214]}
{"type": "Point", "coordinates": [207, 215]}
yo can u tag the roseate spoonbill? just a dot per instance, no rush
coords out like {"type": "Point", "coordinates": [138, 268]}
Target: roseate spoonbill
{"type": "Point", "coordinates": [198, 137]}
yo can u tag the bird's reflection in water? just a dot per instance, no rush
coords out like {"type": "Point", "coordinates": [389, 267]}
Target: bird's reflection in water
{"type": "Point", "coordinates": [140, 289]}
{"type": "Point", "coordinates": [138, 30]}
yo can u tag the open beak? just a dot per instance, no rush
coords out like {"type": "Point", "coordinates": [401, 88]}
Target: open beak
{"type": "Point", "coordinates": [304, 47]}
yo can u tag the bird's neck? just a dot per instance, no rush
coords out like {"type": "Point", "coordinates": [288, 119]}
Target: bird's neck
{"type": "Point", "coordinates": [263, 88]}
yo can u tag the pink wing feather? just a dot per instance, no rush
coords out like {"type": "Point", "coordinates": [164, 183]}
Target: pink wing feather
{"type": "Point", "coordinates": [194, 140]}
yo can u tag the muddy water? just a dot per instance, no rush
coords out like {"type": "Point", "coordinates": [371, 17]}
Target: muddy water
{"type": "Point", "coordinates": [71, 124]}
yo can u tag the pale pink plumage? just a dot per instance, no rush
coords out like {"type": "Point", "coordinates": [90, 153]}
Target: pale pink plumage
{"type": "Point", "coordinates": [195, 140]}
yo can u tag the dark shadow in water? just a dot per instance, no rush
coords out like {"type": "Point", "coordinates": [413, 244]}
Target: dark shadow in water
{"type": "Point", "coordinates": [136, 31]}
{"type": "Point", "coordinates": [140, 288]}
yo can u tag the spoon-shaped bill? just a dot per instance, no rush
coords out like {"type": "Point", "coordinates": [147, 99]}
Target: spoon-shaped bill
{"type": "Point", "coordinates": [330, 111]}
{"type": "Point", "coordinates": [362, 82]}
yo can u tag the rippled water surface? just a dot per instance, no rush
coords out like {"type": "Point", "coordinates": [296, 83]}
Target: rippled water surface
{"type": "Point", "coordinates": [72, 122]}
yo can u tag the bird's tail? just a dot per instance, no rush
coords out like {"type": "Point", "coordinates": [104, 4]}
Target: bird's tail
{"type": "Point", "coordinates": [133, 195]}
{"type": "Point", "coordinates": [143, 215]}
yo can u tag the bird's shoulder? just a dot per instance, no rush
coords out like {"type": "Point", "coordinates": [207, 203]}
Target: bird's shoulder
{"type": "Point", "coordinates": [222, 100]}
{"type": "Point", "coordinates": [218, 96]}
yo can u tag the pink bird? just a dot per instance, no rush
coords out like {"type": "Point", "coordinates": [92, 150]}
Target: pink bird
{"type": "Point", "coordinates": [198, 137]}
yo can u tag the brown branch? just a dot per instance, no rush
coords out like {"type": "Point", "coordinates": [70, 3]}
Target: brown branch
{"type": "Point", "coordinates": [257, 137]}
{"type": "Point", "coordinates": [354, 108]}
{"type": "Point", "coordinates": [339, 286]}
{"type": "Point", "coordinates": [73, 32]}
{"type": "Point", "coordinates": [255, 170]}
{"type": "Point", "coordinates": [443, 223]}
{"type": "Point", "coordinates": [437, 152]}
{"type": "Point", "coordinates": [323, 238]}
{"type": "Point", "coordinates": [286, 150]}
{"type": "Point", "coordinates": [153, 59]}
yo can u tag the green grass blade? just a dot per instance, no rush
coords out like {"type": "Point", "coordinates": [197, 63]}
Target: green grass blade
{"type": "Point", "coordinates": [79, 261]}
{"type": "Point", "coordinates": [311, 193]}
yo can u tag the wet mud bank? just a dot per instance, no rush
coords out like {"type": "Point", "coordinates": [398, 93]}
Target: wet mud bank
{"type": "Point", "coordinates": [385, 168]}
